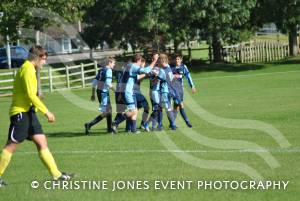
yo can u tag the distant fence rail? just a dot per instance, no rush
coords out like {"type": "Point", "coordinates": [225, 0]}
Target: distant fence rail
{"type": "Point", "coordinates": [54, 79]}
{"type": "Point", "coordinates": [255, 52]}
{"type": "Point", "coordinates": [79, 76]}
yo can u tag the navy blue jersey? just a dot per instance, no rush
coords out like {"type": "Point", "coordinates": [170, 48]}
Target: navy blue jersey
{"type": "Point", "coordinates": [167, 80]}
{"type": "Point", "coordinates": [154, 80]}
{"type": "Point", "coordinates": [181, 70]}
{"type": "Point", "coordinates": [121, 79]}
{"type": "Point", "coordinates": [137, 87]}
{"type": "Point", "coordinates": [103, 79]}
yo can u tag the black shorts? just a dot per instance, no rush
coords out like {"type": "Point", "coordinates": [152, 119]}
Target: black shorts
{"type": "Point", "coordinates": [23, 126]}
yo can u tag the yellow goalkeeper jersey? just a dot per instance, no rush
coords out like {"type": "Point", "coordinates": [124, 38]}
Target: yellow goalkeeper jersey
{"type": "Point", "coordinates": [25, 91]}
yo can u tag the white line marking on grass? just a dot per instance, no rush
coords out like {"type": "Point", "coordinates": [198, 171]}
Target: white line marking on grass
{"type": "Point", "coordinates": [251, 75]}
{"type": "Point", "coordinates": [296, 150]}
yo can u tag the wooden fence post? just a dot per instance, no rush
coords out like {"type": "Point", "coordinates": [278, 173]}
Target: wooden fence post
{"type": "Point", "coordinates": [257, 53]}
{"type": "Point", "coordinates": [251, 52]}
{"type": "Point", "coordinates": [267, 52]}
{"type": "Point", "coordinates": [241, 54]}
{"type": "Point", "coordinates": [50, 79]}
{"type": "Point", "coordinates": [246, 54]}
{"type": "Point", "coordinates": [262, 52]}
{"type": "Point", "coordinates": [14, 73]}
{"type": "Point", "coordinates": [67, 77]}
{"type": "Point", "coordinates": [278, 51]}
{"type": "Point", "coordinates": [96, 67]}
{"type": "Point", "coordinates": [272, 52]}
{"type": "Point", "coordinates": [82, 75]}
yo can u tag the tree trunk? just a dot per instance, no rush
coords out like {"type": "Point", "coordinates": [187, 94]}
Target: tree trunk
{"type": "Point", "coordinates": [217, 48]}
{"type": "Point", "coordinates": [293, 43]}
{"type": "Point", "coordinates": [176, 43]}
{"type": "Point", "coordinates": [37, 37]}
{"type": "Point", "coordinates": [189, 52]}
{"type": "Point", "coordinates": [91, 53]}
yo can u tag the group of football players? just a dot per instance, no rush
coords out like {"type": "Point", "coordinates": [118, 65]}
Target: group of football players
{"type": "Point", "coordinates": [166, 87]}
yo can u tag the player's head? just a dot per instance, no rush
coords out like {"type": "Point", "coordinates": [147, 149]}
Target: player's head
{"type": "Point", "coordinates": [110, 62]}
{"type": "Point", "coordinates": [38, 56]}
{"type": "Point", "coordinates": [143, 63]}
{"type": "Point", "coordinates": [137, 58]}
{"type": "Point", "coordinates": [154, 53]}
{"type": "Point", "coordinates": [163, 60]}
{"type": "Point", "coordinates": [178, 59]}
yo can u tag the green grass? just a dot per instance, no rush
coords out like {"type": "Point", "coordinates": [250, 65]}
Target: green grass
{"type": "Point", "coordinates": [283, 38]}
{"type": "Point", "coordinates": [265, 92]}
{"type": "Point", "coordinates": [199, 53]}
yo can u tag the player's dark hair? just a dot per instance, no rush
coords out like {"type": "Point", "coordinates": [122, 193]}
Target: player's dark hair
{"type": "Point", "coordinates": [179, 56]}
{"type": "Point", "coordinates": [36, 52]}
{"type": "Point", "coordinates": [137, 57]}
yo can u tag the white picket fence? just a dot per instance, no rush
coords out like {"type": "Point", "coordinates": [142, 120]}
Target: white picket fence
{"type": "Point", "coordinates": [255, 52]}
{"type": "Point", "coordinates": [53, 79]}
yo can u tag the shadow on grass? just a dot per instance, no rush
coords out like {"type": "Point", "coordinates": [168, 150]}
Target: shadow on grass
{"type": "Point", "coordinates": [77, 134]}
{"type": "Point", "coordinates": [293, 60]}
{"type": "Point", "coordinates": [198, 66]}
{"type": "Point", "coordinates": [93, 133]}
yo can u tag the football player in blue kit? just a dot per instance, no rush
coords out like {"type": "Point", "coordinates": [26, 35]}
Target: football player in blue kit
{"type": "Point", "coordinates": [166, 89]}
{"type": "Point", "coordinates": [179, 71]}
{"type": "Point", "coordinates": [102, 84]}
{"type": "Point", "coordinates": [131, 72]}
{"type": "Point", "coordinates": [140, 98]}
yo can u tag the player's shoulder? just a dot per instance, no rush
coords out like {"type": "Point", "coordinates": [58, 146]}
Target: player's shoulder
{"type": "Point", "coordinates": [133, 65]}
{"type": "Point", "coordinates": [162, 71]}
{"type": "Point", "coordinates": [183, 65]}
{"type": "Point", "coordinates": [27, 69]}
{"type": "Point", "coordinates": [108, 70]}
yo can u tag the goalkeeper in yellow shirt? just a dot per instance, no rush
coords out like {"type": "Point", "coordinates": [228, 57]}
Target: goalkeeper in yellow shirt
{"type": "Point", "coordinates": [24, 123]}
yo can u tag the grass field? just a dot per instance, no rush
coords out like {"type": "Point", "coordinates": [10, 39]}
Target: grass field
{"type": "Point", "coordinates": [283, 38]}
{"type": "Point", "coordinates": [227, 96]}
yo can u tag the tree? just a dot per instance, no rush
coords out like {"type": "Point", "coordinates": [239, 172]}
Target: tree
{"type": "Point", "coordinates": [160, 21]}
{"type": "Point", "coordinates": [126, 22]}
{"type": "Point", "coordinates": [285, 14]}
{"type": "Point", "coordinates": [225, 21]}
{"type": "Point", "coordinates": [182, 21]}
{"type": "Point", "coordinates": [19, 13]}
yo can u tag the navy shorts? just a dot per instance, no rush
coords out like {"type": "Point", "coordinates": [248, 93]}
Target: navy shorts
{"type": "Point", "coordinates": [177, 97]}
{"type": "Point", "coordinates": [120, 102]}
{"type": "Point", "coordinates": [23, 126]}
{"type": "Point", "coordinates": [141, 101]}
